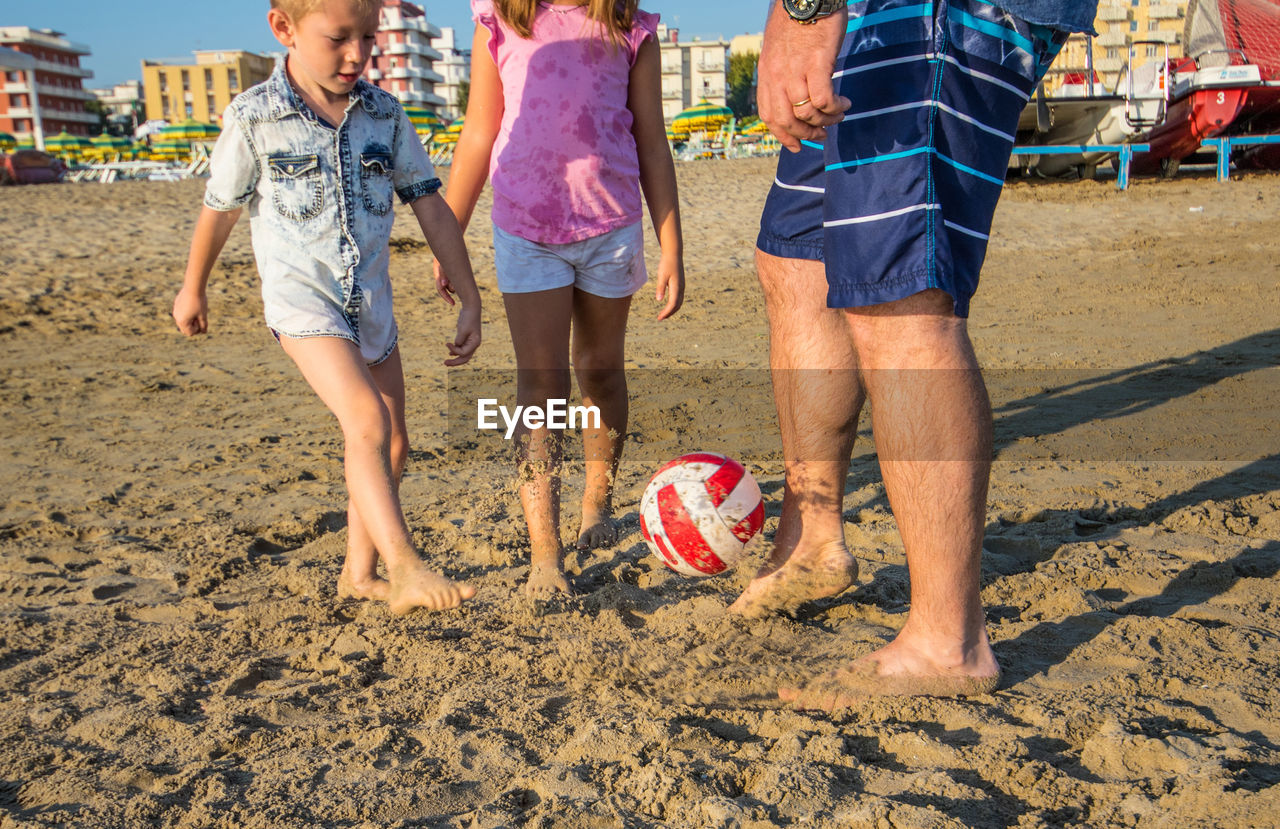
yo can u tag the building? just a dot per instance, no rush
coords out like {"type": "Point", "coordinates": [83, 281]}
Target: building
{"type": "Point", "coordinates": [1149, 27]}
{"type": "Point", "coordinates": [42, 90]}
{"type": "Point", "coordinates": [175, 91]}
{"type": "Point", "coordinates": [746, 44]}
{"type": "Point", "coordinates": [691, 71]}
{"type": "Point", "coordinates": [455, 67]}
{"type": "Point", "coordinates": [123, 105]}
{"type": "Point", "coordinates": [403, 61]}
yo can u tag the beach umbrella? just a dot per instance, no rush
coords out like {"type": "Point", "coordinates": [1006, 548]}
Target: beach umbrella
{"type": "Point", "coordinates": [703, 116]}
{"type": "Point", "coordinates": [65, 144]}
{"type": "Point", "coordinates": [7, 141]}
{"type": "Point", "coordinates": [424, 121]}
{"type": "Point", "coordinates": [107, 145]}
{"type": "Point", "coordinates": [189, 130]}
{"type": "Point", "coordinates": [169, 149]}
{"type": "Point", "coordinates": [450, 134]}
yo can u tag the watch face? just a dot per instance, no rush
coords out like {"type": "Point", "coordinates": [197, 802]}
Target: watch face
{"type": "Point", "coordinates": [801, 9]}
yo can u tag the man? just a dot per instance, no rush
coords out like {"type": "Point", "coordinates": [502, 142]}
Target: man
{"type": "Point", "coordinates": [898, 118]}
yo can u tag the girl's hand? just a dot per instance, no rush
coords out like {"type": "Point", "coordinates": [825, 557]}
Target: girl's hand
{"type": "Point", "coordinates": [468, 338]}
{"type": "Point", "coordinates": [670, 285]}
{"type": "Point", "coordinates": [443, 286]}
{"type": "Point", "coordinates": [191, 312]}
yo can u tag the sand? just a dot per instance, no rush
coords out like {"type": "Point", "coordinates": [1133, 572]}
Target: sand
{"type": "Point", "coordinates": [172, 652]}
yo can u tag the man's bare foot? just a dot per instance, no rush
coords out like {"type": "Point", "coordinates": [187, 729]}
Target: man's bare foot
{"type": "Point", "coordinates": [417, 587]}
{"type": "Point", "coordinates": [371, 587]}
{"type": "Point", "coordinates": [827, 571]}
{"type": "Point", "coordinates": [598, 529]}
{"type": "Point", "coordinates": [897, 671]}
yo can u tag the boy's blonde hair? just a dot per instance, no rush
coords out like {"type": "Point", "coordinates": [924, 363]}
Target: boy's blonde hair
{"type": "Point", "coordinates": [295, 10]}
{"type": "Point", "coordinates": [615, 17]}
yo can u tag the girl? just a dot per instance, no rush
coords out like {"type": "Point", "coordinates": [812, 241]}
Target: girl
{"type": "Point", "coordinates": [565, 118]}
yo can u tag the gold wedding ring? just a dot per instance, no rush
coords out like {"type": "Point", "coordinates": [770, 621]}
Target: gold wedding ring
{"type": "Point", "coordinates": [800, 103]}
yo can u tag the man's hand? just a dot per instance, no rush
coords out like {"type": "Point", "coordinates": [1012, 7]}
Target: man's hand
{"type": "Point", "coordinates": [191, 312]}
{"type": "Point", "coordinates": [794, 93]}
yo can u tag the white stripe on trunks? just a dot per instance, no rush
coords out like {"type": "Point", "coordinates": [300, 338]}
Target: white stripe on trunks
{"type": "Point", "coordinates": [777, 181]}
{"type": "Point", "coordinates": [966, 230]}
{"type": "Point", "coordinates": [879, 216]}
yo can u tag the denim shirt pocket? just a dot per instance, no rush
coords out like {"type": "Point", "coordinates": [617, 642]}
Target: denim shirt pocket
{"type": "Point", "coordinates": [297, 188]}
{"type": "Point", "coordinates": [375, 180]}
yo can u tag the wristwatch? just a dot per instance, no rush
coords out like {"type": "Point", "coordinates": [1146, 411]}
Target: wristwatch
{"type": "Point", "coordinates": [810, 11]}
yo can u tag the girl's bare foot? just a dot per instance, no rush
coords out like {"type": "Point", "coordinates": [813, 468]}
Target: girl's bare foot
{"type": "Point", "coordinates": [547, 583]}
{"type": "Point", "coordinates": [369, 587]}
{"type": "Point", "coordinates": [806, 575]}
{"type": "Point", "coordinates": [415, 586]}
{"type": "Point", "coordinates": [899, 669]}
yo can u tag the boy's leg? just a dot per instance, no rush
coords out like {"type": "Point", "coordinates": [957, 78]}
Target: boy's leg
{"type": "Point", "coordinates": [359, 578]}
{"type": "Point", "coordinates": [539, 323]}
{"type": "Point", "coordinates": [599, 342]}
{"type": "Point", "coordinates": [336, 372]}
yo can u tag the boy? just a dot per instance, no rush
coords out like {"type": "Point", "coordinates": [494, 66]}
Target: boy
{"type": "Point", "coordinates": [315, 154]}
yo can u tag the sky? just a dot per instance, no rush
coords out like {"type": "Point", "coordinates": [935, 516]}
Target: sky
{"type": "Point", "coordinates": [121, 34]}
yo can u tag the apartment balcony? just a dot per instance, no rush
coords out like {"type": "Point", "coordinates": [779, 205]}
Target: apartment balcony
{"type": "Point", "coordinates": [48, 115]}
{"type": "Point", "coordinates": [15, 88]}
{"type": "Point", "coordinates": [417, 24]}
{"type": "Point", "coordinates": [1163, 36]}
{"type": "Point", "coordinates": [1164, 11]}
{"type": "Point", "coordinates": [672, 94]}
{"type": "Point", "coordinates": [63, 69]}
{"type": "Point", "coordinates": [1113, 13]}
{"type": "Point", "coordinates": [18, 112]}
{"type": "Point", "coordinates": [1111, 39]}
{"type": "Point", "coordinates": [423, 49]}
{"type": "Point", "coordinates": [710, 66]}
{"type": "Point", "coordinates": [406, 73]}
{"type": "Point", "coordinates": [47, 91]}
{"type": "Point", "coordinates": [1108, 64]}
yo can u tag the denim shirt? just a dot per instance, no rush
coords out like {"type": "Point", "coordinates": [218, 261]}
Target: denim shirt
{"type": "Point", "coordinates": [319, 200]}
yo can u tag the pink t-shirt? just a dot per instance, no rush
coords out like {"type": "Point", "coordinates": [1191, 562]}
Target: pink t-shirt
{"type": "Point", "coordinates": [564, 166]}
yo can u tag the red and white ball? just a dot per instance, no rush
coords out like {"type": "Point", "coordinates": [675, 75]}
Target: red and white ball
{"type": "Point", "coordinates": [698, 513]}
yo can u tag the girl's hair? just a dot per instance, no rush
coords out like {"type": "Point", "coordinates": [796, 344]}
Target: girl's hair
{"type": "Point", "coordinates": [298, 9]}
{"type": "Point", "coordinates": [614, 16]}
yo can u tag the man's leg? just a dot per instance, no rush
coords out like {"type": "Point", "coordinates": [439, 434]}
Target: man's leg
{"type": "Point", "coordinates": [818, 396]}
{"type": "Point", "coordinates": [932, 424]}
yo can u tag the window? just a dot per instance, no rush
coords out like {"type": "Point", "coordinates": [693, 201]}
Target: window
{"type": "Point", "coordinates": [189, 110]}
{"type": "Point", "coordinates": [1133, 25]}
{"type": "Point", "coordinates": [233, 80]}
{"type": "Point", "coordinates": [1113, 53]}
{"type": "Point", "coordinates": [186, 81]}
{"type": "Point", "coordinates": [164, 81]}
{"type": "Point", "coordinates": [164, 108]}
{"type": "Point", "coordinates": [1152, 51]}
{"type": "Point", "coordinates": [1153, 25]}
{"type": "Point", "coordinates": [208, 79]}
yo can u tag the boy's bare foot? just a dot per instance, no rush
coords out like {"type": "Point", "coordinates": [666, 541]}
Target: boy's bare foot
{"type": "Point", "coordinates": [417, 587]}
{"type": "Point", "coordinates": [598, 529]}
{"type": "Point", "coordinates": [897, 669]}
{"type": "Point", "coordinates": [804, 576]}
{"type": "Point", "coordinates": [366, 588]}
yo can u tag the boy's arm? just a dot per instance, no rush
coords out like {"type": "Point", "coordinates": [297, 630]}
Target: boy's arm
{"type": "Point", "coordinates": [657, 173]}
{"type": "Point", "coordinates": [443, 234]}
{"type": "Point", "coordinates": [191, 307]}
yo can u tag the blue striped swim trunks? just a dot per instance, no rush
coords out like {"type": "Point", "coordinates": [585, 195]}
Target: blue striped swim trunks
{"type": "Point", "coordinates": [900, 196]}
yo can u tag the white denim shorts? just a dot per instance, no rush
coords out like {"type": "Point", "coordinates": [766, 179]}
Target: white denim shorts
{"type": "Point", "coordinates": [610, 265]}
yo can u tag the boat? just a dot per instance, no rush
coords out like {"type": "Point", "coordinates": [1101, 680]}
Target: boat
{"type": "Point", "coordinates": [1082, 112]}
{"type": "Point", "coordinates": [1229, 84]}
{"type": "Point", "coordinates": [31, 167]}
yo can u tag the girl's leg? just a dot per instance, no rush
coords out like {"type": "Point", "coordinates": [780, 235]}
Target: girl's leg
{"type": "Point", "coordinates": [336, 371]}
{"type": "Point", "coordinates": [539, 323]}
{"type": "Point", "coordinates": [359, 578]}
{"type": "Point", "coordinates": [599, 340]}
